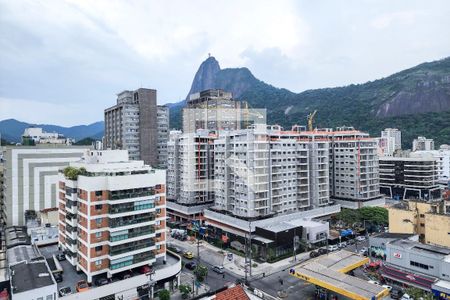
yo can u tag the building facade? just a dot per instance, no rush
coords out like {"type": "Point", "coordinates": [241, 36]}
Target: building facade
{"type": "Point", "coordinates": [112, 215]}
{"type": "Point", "coordinates": [163, 134]}
{"type": "Point", "coordinates": [132, 125]}
{"type": "Point", "coordinates": [394, 136]}
{"type": "Point", "coordinates": [212, 109]}
{"type": "Point", "coordinates": [36, 135]}
{"type": "Point", "coordinates": [409, 178]}
{"type": "Point", "coordinates": [31, 176]}
{"type": "Point", "coordinates": [442, 157]}
{"type": "Point", "coordinates": [422, 144]}
{"type": "Point", "coordinates": [264, 170]}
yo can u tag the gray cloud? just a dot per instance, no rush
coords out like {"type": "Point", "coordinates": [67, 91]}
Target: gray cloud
{"type": "Point", "coordinates": [75, 56]}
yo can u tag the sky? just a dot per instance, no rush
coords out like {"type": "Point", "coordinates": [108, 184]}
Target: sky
{"type": "Point", "coordinates": [63, 62]}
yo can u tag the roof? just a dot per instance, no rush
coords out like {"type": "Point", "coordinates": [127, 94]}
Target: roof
{"type": "Point", "coordinates": [440, 252]}
{"type": "Point", "coordinates": [329, 270]}
{"type": "Point", "coordinates": [16, 235]}
{"type": "Point", "coordinates": [389, 235]}
{"type": "Point", "coordinates": [29, 276]}
{"type": "Point", "coordinates": [233, 293]}
{"type": "Point", "coordinates": [23, 253]}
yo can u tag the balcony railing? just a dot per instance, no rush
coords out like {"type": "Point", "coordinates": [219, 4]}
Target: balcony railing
{"type": "Point", "coordinates": [129, 247]}
{"type": "Point", "coordinates": [125, 221]}
{"type": "Point", "coordinates": [129, 235]}
{"type": "Point", "coordinates": [128, 195]}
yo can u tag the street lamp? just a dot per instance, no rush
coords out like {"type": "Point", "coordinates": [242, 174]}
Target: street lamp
{"type": "Point", "coordinates": [151, 283]}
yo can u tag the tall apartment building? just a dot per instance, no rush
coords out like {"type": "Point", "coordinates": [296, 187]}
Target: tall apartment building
{"type": "Point", "coordinates": [112, 215]}
{"type": "Point", "coordinates": [409, 178]}
{"type": "Point", "coordinates": [212, 110]}
{"type": "Point", "coordinates": [264, 170]}
{"type": "Point", "coordinates": [394, 136]}
{"type": "Point", "coordinates": [30, 178]}
{"type": "Point", "coordinates": [386, 146]}
{"type": "Point", "coordinates": [132, 124]}
{"type": "Point", "coordinates": [163, 134]}
{"type": "Point", "coordinates": [354, 180]}
{"type": "Point", "coordinates": [3, 216]}
{"type": "Point", "coordinates": [422, 144]}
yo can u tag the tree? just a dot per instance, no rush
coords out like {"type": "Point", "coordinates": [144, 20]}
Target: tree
{"type": "Point", "coordinates": [201, 272]}
{"type": "Point", "coordinates": [164, 294]}
{"type": "Point", "coordinates": [416, 293]}
{"type": "Point", "coordinates": [185, 290]}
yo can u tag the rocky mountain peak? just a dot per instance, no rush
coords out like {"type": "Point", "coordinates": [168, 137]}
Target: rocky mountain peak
{"type": "Point", "coordinates": [205, 78]}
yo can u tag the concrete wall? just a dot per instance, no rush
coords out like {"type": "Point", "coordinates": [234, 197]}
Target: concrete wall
{"type": "Point", "coordinates": [437, 229]}
{"type": "Point", "coordinates": [398, 223]}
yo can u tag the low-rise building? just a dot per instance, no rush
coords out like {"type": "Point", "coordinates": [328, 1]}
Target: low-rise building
{"type": "Point", "coordinates": [36, 135]}
{"type": "Point", "coordinates": [431, 221]}
{"type": "Point", "coordinates": [422, 144]}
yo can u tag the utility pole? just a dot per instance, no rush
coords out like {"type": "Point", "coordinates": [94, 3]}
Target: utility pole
{"type": "Point", "coordinates": [150, 284]}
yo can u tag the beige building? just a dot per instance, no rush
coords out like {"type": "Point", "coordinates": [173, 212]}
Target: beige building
{"type": "Point", "coordinates": [429, 220]}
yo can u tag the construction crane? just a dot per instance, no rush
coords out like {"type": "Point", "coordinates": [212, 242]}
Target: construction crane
{"type": "Point", "coordinates": [311, 119]}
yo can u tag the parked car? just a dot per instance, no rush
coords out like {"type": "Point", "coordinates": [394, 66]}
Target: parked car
{"type": "Point", "coordinates": [126, 275]}
{"type": "Point", "coordinates": [342, 245]}
{"type": "Point", "coordinates": [333, 248]}
{"type": "Point", "coordinates": [82, 286]}
{"type": "Point", "coordinates": [218, 269]}
{"type": "Point", "coordinates": [190, 265]}
{"type": "Point", "coordinates": [58, 277]}
{"type": "Point", "coordinates": [322, 251]}
{"type": "Point", "coordinates": [188, 255]}
{"type": "Point", "coordinates": [145, 269]}
{"type": "Point", "coordinates": [60, 256]}
{"type": "Point", "coordinates": [373, 282]}
{"type": "Point", "coordinates": [64, 291]}
{"type": "Point", "coordinates": [101, 281]}
{"type": "Point", "coordinates": [387, 287]}
{"type": "Point", "coordinates": [363, 250]}
{"type": "Point", "coordinates": [406, 297]}
{"type": "Point", "coordinates": [313, 254]}
{"type": "Point", "coordinates": [396, 293]}
{"type": "Point", "coordinates": [360, 238]}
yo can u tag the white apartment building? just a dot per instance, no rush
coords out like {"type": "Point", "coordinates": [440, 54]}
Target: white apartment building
{"type": "Point", "coordinates": [30, 178]}
{"type": "Point", "coordinates": [354, 178]}
{"type": "Point", "coordinates": [422, 144]}
{"type": "Point", "coordinates": [39, 136]}
{"type": "Point", "coordinates": [442, 157]}
{"type": "Point", "coordinates": [111, 213]}
{"type": "Point", "coordinates": [394, 136]}
{"type": "Point", "coordinates": [264, 170]}
{"type": "Point", "coordinates": [163, 134]}
{"type": "Point", "coordinates": [386, 146]}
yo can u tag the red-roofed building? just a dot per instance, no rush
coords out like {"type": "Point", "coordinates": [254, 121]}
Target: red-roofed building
{"type": "Point", "coordinates": [232, 293]}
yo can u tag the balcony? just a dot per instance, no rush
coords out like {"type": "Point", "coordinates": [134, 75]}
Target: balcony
{"type": "Point", "coordinates": [117, 195]}
{"type": "Point", "coordinates": [135, 259]}
{"type": "Point", "coordinates": [130, 220]}
{"type": "Point", "coordinates": [133, 206]}
{"type": "Point", "coordinates": [132, 233]}
{"type": "Point", "coordinates": [129, 247]}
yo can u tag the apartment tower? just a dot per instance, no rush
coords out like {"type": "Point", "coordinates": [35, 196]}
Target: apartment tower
{"type": "Point", "coordinates": [111, 213]}
{"type": "Point", "coordinates": [132, 124]}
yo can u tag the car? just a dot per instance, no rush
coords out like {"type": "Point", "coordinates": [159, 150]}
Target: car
{"type": "Point", "coordinates": [396, 293]}
{"type": "Point", "coordinates": [363, 250]}
{"type": "Point", "coordinates": [64, 291]}
{"type": "Point", "coordinates": [58, 277]}
{"type": "Point", "coordinates": [322, 251]}
{"type": "Point", "coordinates": [313, 254]}
{"type": "Point", "coordinates": [190, 265]}
{"type": "Point", "coordinates": [333, 248]}
{"type": "Point", "coordinates": [218, 269]}
{"type": "Point", "coordinates": [360, 238]}
{"type": "Point", "coordinates": [373, 282]}
{"type": "Point", "coordinates": [101, 281]}
{"type": "Point", "coordinates": [145, 269]}
{"type": "Point", "coordinates": [188, 255]}
{"type": "Point", "coordinates": [126, 275]}
{"type": "Point", "coordinates": [60, 256]}
{"type": "Point", "coordinates": [177, 250]}
{"type": "Point", "coordinates": [82, 286]}
{"type": "Point", "coordinates": [406, 297]}
{"type": "Point", "coordinates": [388, 287]}
{"type": "Point", "coordinates": [342, 245]}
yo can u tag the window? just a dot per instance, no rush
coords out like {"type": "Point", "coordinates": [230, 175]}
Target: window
{"type": "Point", "coordinates": [98, 235]}
{"type": "Point", "coordinates": [422, 215]}
{"type": "Point", "coordinates": [98, 248]}
{"type": "Point", "coordinates": [98, 262]}
{"type": "Point", "coordinates": [98, 206]}
{"type": "Point", "coordinates": [418, 265]}
{"type": "Point", "coordinates": [422, 225]}
{"type": "Point", "coordinates": [98, 221]}
{"type": "Point", "coordinates": [98, 193]}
